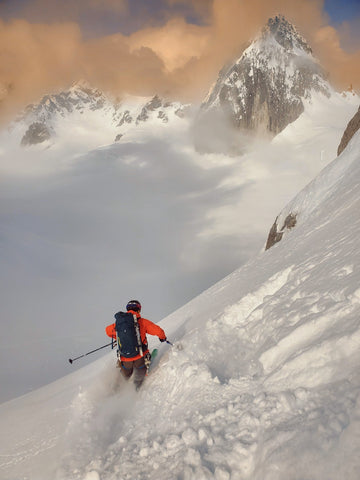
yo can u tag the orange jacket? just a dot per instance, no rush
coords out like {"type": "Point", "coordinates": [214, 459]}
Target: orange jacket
{"type": "Point", "coordinates": [145, 327]}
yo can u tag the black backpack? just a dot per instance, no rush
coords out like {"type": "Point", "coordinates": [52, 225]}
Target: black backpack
{"type": "Point", "coordinates": [128, 335]}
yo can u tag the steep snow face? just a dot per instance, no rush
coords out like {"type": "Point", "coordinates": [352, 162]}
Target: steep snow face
{"type": "Point", "coordinates": [307, 201]}
{"type": "Point", "coordinates": [264, 90]}
{"type": "Point", "coordinates": [263, 382]}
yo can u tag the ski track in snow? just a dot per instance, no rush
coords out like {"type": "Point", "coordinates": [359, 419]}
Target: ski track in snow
{"type": "Point", "coordinates": [210, 417]}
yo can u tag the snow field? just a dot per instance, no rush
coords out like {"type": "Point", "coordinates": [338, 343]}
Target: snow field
{"type": "Point", "coordinates": [210, 428]}
{"type": "Point", "coordinates": [265, 387]}
{"type": "Point", "coordinates": [267, 384]}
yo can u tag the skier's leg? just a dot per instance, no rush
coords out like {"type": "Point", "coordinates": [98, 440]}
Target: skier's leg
{"type": "Point", "coordinates": [140, 372]}
{"type": "Point", "coordinates": [126, 369]}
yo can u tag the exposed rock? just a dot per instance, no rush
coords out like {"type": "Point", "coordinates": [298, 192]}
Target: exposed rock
{"type": "Point", "coordinates": [36, 133]}
{"type": "Point", "coordinates": [118, 137]}
{"type": "Point", "coordinates": [352, 127]}
{"type": "Point", "coordinates": [276, 235]}
{"type": "Point", "coordinates": [286, 34]}
{"type": "Point", "coordinates": [126, 118]}
{"type": "Point", "coordinates": [144, 115]}
{"type": "Point", "coordinates": [154, 104]}
{"type": "Point", "coordinates": [162, 115]}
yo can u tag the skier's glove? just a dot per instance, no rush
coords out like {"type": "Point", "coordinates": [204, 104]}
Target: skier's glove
{"type": "Point", "coordinates": [162, 339]}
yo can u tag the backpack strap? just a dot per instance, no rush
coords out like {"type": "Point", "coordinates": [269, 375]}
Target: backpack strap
{"type": "Point", "coordinates": [138, 336]}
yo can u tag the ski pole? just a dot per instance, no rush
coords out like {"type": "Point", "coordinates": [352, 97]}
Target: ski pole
{"type": "Point", "coordinates": [71, 360]}
{"type": "Point", "coordinates": [167, 341]}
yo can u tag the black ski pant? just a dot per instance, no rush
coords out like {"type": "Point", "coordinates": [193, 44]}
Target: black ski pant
{"type": "Point", "coordinates": [137, 367]}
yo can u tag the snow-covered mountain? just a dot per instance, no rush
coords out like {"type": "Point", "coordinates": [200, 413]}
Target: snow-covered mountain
{"type": "Point", "coordinates": [263, 381]}
{"type": "Point", "coordinates": [265, 89]}
{"type": "Point", "coordinates": [82, 105]}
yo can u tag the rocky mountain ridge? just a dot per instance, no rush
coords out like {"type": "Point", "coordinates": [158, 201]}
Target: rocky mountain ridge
{"type": "Point", "coordinates": [40, 120]}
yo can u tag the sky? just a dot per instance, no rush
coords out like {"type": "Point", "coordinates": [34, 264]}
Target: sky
{"type": "Point", "coordinates": [342, 11]}
{"type": "Point", "coordinates": [172, 47]}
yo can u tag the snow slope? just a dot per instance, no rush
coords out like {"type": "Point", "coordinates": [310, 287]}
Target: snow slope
{"type": "Point", "coordinates": [63, 211]}
{"type": "Point", "coordinates": [263, 382]}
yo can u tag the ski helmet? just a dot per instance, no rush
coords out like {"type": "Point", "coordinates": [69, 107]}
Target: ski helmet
{"type": "Point", "coordinates": [134, 305]}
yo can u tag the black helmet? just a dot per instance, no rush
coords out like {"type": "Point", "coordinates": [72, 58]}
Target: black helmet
{"type": "Point", "coordinates": [134, 305]}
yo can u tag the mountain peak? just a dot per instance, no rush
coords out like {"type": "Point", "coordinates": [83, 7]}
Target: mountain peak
{"type": "Point", "coordinates": [264, 90]}
{"type": "Point", "coordinates": [285, 34]}
{"type": "Point", "coordinates": [81, 87]}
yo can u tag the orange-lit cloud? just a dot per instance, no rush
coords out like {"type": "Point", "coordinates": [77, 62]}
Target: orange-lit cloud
{"type": "Point", "coordinates": [177, 58]}
{"type": "Point", "coordinates": [71, 9]}
{"type": "Point", "coordinates": [343, 67]}
{"type": "Point", "coordinates": [175, 43]}
{"type": "Point", "coordinates": [34, 58]}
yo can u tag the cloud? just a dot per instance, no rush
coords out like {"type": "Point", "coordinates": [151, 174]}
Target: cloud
{"type": "Point", "coordinates": [177, 58]}
{"type": "Point", "coordinates": [70, 10]}
{"type": "Point", "coordinates": [176, 43]}
{"type": "Point", "coordinates": [34, 58]}
{"type": "Point", "coordinates": [342, 65]}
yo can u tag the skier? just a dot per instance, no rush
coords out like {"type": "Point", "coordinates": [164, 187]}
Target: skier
{"type": "Point", "coordinates": [130, 332]}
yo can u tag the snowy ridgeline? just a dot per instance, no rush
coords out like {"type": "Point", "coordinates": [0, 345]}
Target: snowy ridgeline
{"type": "Point", "coordinates": [263, 382]}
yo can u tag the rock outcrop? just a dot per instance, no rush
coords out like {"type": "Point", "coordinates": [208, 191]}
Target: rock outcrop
{"type": "Point", "coordinates": [352, 127]}
{"type": "Point", "coordinates": [36, 133]}
{"type": "Point", "coordinates": [276, 235]}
